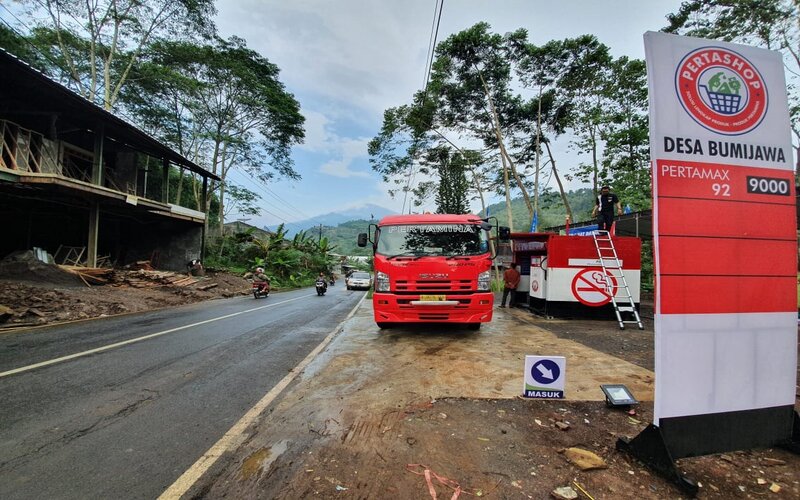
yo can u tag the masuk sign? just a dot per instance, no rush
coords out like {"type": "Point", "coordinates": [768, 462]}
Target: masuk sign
{"type": "Point", "coordinates": [545, 377]}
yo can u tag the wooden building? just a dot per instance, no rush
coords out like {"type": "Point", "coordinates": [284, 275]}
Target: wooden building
{"type": "Point", "coordinates": [73, 175]}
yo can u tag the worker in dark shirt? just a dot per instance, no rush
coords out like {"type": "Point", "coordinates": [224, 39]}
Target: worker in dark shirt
{"type": "Point", "coordinates": [604, 208]}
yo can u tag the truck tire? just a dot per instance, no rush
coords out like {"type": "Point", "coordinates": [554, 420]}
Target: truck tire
{"type": "Point", "coordinates": [473, 326]}
{"type": "Point", "coordinates": [384, 326]}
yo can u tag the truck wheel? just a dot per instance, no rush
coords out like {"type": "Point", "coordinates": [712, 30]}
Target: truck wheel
{"type": "Point", "coordinates": [473, 326]}
{"type": "Point", "coordinates": [384, 326]}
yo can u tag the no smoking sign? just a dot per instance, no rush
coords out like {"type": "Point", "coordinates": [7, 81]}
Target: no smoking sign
{"type": "Point", "coordinates": [593, 287]}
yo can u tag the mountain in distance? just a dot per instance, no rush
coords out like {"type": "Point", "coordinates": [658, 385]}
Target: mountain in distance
{"type": "Point", "coordinates": [365, 212]}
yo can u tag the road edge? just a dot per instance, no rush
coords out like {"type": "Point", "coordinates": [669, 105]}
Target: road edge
{"type": "Point", "coordinates": [235, 436]}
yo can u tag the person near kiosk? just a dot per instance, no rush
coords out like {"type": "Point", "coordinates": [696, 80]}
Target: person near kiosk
{"type": "Point", "coordinates": [511, 279]}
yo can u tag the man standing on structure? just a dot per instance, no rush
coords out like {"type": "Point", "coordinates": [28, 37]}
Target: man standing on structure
{"type": "Point", "coordinates": [511, 282]}
{"type": "Point", "coordinates": [604, 208]}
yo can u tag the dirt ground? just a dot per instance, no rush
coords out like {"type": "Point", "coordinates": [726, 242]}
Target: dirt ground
{"type": "Point", "coordinates": [377, 409]}
{"type": "Point", "coordinates": [44, 300]}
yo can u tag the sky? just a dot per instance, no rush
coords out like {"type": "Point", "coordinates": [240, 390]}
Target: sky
{"type": "Point", "coordinates": [346, 61]}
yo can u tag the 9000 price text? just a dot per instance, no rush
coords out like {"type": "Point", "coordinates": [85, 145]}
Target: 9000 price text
{"type": "Point", "coordinates": [768, 185]}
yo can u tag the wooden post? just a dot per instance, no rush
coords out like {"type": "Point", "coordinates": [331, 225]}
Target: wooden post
{"type": "Point", "coordinates": [94, 229]}
{"type": "Point", "coordinates": [205, 222]}
{"type": "Point", "coordinates": [165, 181]}
{"type": "Point", "coordinates": [97, 162]}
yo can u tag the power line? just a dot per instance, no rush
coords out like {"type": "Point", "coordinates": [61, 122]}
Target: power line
{"type": "Point", "coordinates": [430, 46]}
{"type": "Point", "coordinates": [437, 18]}
{"type": "Point", "coordinates": [261, 188]}
{"type": "Point", "coordinates": [433, 47]}
{"type": "Point", "coordinates": [270, 192]}
{"type": "Point", "coordinates": [286, 202]}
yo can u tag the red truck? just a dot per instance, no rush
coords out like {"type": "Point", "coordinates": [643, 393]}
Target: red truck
{"type": "Point", "coordinates": [431, 268]}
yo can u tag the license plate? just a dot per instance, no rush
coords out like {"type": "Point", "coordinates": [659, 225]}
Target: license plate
{"type": "Point", "coordinates": [432, 298]}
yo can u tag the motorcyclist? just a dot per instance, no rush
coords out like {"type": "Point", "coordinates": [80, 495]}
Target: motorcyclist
{"type": "Point", "coordinates": [258, 277]}
{"type": "Point", "coordinates": [321, 278]}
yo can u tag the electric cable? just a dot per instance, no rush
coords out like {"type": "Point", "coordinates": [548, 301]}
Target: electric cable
{"type": "Point", "coordinates": [428, 68]}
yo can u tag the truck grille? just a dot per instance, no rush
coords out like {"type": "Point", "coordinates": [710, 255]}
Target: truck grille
{"type": "Point", "coordinates": [431, 286]}
{"type": "Point", "coordinates": [462, 303]}
{"type": "Point", "coordinates": [434, 317]}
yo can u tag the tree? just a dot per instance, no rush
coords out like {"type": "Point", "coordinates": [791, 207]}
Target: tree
{"type": "Point", "coordinates": [626, 162]}
{"type": "Point", "coordinates": [545, 68]}
{"type": "Point", "coordinates": [586, 83]}
{"type": "Point", "coordinates": [242, 201]}
{"type": "Point", "coordinates": [101, 47]}
{"type": "Point", "coordinates": [472, 79]}
{"type": "Point", "coordinates": [161, 95]}
{"type": "Point", "coordinates": [451, 192]}
{"type": "Point", "coordinates": [222, 103]}
{"type": "Point", "coordinates": [98, 43]}
{"type": "Point", "coordinates": [253, 120]}
{"type": "Point", "coordinates": [404, 136]}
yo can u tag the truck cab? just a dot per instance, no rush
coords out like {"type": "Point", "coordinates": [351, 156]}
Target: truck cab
{"type": "Point", "coordinates": [431, 268]}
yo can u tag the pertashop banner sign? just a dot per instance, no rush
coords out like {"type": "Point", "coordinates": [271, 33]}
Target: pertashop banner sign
{"type": "Point", "coordinates": [724, 229]}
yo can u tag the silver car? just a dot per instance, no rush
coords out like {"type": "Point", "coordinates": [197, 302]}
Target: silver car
{"type": "Point", "coordinates": [359, 281]}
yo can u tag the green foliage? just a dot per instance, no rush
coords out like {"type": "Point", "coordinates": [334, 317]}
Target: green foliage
{"type": "Point", "coordinates": [451, 193]}
{"type": "Point", "coordinates": [222, 105]}
{"type": "Point", "coordinates": [343, 237]}
{"type": "Point", "coordinates": [647, 266]}
{"type": "Point", "coordinates": [288, 263]}
{"type": "Point", "coordinates": [517, 99]}
{"type": "Point", "coordinates": [96, 44]}
{"type": "Point", "coordinates": [552, 211]}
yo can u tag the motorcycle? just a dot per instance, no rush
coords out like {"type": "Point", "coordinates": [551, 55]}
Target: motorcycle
{"type": "Point", "coordinates": [321, 287]}
{"type": "Point", "coordinates": [260, 289]}
{"type": "Point", "coordinates": [332, 282]}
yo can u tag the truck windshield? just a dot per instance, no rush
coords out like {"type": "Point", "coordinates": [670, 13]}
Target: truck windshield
{"type": "Point", "coordinates": [432, 240]}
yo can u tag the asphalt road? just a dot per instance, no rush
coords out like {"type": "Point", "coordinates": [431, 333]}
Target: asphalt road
{"type": "Point", "coordinates": [128, 421]}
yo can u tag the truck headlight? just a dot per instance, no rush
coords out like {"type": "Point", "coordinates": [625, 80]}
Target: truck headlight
{"type": "Point", "coordinates": [485, 281]}
{"type": "Point", "coordinates": [382, 282]}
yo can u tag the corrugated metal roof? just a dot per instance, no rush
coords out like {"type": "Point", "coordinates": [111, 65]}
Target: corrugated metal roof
{"type": "Point", "coordinates": [21, 82]}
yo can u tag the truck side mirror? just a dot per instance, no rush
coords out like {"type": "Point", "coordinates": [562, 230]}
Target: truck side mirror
{"type": "Point", "coordinates": [504, 233]}
{"type": "Point", "coordinates": [486, 226]}
{"type": "Point", "coordinates": [362, 239]}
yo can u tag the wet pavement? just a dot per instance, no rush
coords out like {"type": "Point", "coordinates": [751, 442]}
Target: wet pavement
{"type": "Point", "coordinates": [352, 403]}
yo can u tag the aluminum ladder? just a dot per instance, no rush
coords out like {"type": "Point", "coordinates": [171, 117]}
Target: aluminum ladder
{"type": "Point", "coordinates": [609, 261]}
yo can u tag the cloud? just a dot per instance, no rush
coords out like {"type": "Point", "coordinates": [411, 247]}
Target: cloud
{"type": "Point", "coordinates": [319, 138]}
{"type": "Point", "coordinates": [348, 151]}
{"type": "Point", "coordinates": [342, 151]}
{"type": "Point", "coordinates": [341, 168]}
{"type": "Point", "coordinates": [360, 57]}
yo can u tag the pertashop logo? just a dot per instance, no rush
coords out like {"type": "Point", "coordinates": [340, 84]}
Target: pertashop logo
{"type": "Point", "coordinates": [721, 90]}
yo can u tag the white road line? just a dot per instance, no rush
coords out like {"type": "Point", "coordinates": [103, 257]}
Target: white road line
{"type": "Point", "coordinates": [236, 435]}
{"type": "Point", "coordinates": [138, 339]}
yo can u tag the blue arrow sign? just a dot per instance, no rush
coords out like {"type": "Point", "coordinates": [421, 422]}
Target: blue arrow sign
{"type": "Point", "coordinates": [545, 371]}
